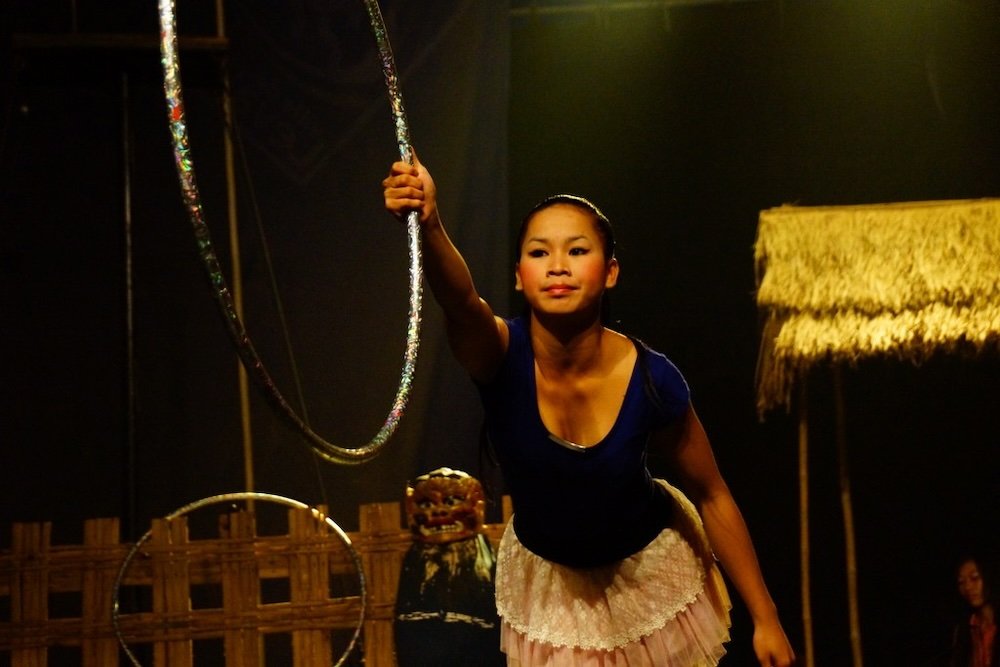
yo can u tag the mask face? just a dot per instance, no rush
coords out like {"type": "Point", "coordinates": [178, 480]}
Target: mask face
{"type": "Point", "coordinates": [445, 506]}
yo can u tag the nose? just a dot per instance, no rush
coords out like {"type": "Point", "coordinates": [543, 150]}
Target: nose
{"type": "Point", "coordinates": [557, 266]}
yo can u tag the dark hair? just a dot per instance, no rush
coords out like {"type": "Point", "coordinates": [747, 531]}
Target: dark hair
{"type": "Point", "coordinates": [601, 222]}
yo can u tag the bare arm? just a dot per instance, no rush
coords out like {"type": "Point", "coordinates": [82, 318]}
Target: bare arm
{"type": "Point", "coordinates": [477, 337]}
{"type": "Point", "coordinates": [729, 537]}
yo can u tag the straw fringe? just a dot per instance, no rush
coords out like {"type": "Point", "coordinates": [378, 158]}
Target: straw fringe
{"type": "Point", "coordinates": [843, 283]}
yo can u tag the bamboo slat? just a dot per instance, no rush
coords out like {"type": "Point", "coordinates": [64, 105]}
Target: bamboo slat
{"type": "Point", "coordinates": [387, 543]}
{"type": "Point", "coordinates": [309, 584]}
{"type": "Point", "coordinates": [99, 535]}
{"type": "Point", "coordinates": [241, 591]}
{"type": "Point", "coordinates": [171, 590]}
{"type": "Point", "coordinates": [29, 601]}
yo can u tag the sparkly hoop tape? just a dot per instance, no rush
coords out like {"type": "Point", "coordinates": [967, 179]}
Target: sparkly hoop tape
{"type": "Point", "coordinates": [192, 202]}
{"type": "Point", "coordinates": [234, 497]}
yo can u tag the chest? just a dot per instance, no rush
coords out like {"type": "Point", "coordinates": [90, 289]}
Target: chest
{"type": "Point", "coordinates": [582, 410]}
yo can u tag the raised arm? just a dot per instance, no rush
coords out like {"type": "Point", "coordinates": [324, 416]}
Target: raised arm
{"type": "Point", "coordinates": [729, 537]}
{"type": "Point", "coordinates": [477, 337]}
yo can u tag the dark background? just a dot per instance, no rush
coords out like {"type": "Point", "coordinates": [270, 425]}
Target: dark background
{"type": "Point", "coordinates": [681, 123]}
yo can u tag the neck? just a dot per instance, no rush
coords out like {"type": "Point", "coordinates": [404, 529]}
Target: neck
{"type": "Point", "coordinates": [986, 613]}
{"type": "Point", "coordinates": [566, 346]}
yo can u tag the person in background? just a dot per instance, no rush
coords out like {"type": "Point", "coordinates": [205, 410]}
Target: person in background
{"type": "Point", "coordinates": [974, 643]}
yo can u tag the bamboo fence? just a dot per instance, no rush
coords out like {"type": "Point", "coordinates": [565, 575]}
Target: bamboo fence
{"type": "Point", "coordinates": [195, 596]}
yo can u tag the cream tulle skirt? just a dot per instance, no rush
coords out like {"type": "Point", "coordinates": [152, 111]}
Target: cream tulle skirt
{"type": "Point", "coordinates": [665, 606]}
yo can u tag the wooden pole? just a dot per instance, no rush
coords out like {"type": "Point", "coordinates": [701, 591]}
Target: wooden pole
{"type": "Point", "coordinates": [243, 384]}
{"type": "Point", "coordinates": [848, 511]}
{"type": "Point", "coordinates": [807, 628]}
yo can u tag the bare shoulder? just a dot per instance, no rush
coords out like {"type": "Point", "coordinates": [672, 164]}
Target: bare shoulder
{"type": "Point", "coordinates": [620, 345]}
{"type": "Point", "coordinates": [621, 351]}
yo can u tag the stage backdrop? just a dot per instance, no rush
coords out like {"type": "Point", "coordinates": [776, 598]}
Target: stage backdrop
{"type": "Point", "coordinates": [121, 399]}
{"type": "Point", "coordinates": [683, 124]}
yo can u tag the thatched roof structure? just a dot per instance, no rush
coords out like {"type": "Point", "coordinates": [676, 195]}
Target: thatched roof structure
{"type": "Point", "coordinates": [840, 284]}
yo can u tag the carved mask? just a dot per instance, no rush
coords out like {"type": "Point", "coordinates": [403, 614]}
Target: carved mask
{"type": "Point", "coordinates": [444, 506]}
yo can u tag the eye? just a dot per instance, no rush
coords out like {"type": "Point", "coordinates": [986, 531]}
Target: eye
{"type": "Point", "coordinates": [536, 252]}
{"type": "Point", "coordinates": [579, 251]}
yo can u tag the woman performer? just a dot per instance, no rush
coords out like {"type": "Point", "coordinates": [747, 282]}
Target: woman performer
{"type": "Point", "coordinates": [601, 564]}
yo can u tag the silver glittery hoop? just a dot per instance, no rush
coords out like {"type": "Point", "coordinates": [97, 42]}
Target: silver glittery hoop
{"type": "Point", "coordinates": [240, 497]}
{"type": "Point", "coordinates": [192, 202]}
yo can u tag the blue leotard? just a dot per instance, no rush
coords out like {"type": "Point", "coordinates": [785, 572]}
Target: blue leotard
{"type": "Point", "coordinates": [589, 506]}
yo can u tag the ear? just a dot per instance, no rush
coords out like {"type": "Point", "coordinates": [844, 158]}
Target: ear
{"type": "Point", "coordinates": [517, 277]}
{"type": "Point", "coordinates": [612, 278]}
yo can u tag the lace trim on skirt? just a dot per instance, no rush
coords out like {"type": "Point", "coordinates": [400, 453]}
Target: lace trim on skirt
{"type": "Point", "coordinates": [660, 606]}
{"type": "Point", "coordinates": [694, 638]}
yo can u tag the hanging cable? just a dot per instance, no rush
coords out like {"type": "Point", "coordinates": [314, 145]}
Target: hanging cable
{"type": "Point", "coordinates": [237, 138]}
{"type": "Point", "coordinates": [129, 285]}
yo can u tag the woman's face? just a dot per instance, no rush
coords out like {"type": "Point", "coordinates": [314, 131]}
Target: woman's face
{"type": "Point", "coordinates": [561, 267]}
{"type": "Point", "coordinates": [970, 584]}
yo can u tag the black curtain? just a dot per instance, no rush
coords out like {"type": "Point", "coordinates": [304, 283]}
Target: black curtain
{"type": "Point", "coordinates": [92, 429]}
